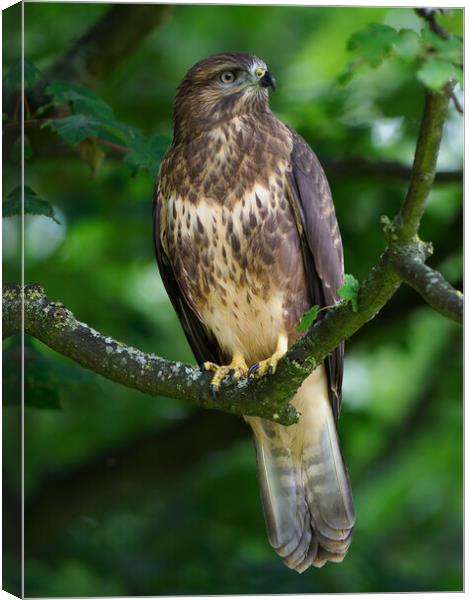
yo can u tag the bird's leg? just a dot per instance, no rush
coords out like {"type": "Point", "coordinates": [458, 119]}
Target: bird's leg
{"type": "Point", "coordinates": [236, 369]}
{"type": "Point", "coordinates": [269, 365]}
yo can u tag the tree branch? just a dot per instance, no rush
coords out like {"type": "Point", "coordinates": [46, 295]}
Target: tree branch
{"type": "Point", "coordinates": [432, 286]}
{"type": "Point", "coordinates": [116, 35]}
{"type": "Point", "coordinates": [424, 166]}
{"type": "Point", "coordinates": [429, 15]}
{"type": "Point", "coordinates": [53, 324]}
{"type": "Point", "coordinates": [99, 50]}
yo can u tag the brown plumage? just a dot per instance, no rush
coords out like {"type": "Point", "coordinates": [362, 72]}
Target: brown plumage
{"type": "Point", "coordinates": [247, 240]}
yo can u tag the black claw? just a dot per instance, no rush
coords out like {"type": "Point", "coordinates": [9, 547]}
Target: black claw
{"type": "Point", "coordinates": [253, 368]}
{"type": "Point", "coordinates": [270, 370]}
{"type": "Point", "coordinates": [232, 374]}
{"type": "Point", "coordinates": [214, 391]}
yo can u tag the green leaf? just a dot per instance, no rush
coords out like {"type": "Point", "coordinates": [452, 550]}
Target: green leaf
{"type": "Point", "coordinates": [64, 91]}
{"type": "Point", "coordinates": [308, 319]}
{"type": "Point", "coordinates": [450, 49]}
{"type": "Point", "coordinates": [93, 108]}
{"type": "Point", "coordinates": [407, 45]}
{"type": "Point", "coordinates": [116, 131]}
{"type": "Point", "coordinates": [350, 290]}
{"type": "Point", "coordinates": [75, 128]}
{"type": "Point", "coordinates": [33, 205]}
{"type": "Point", "coordinates": [452, 21]}
{"type": "Point", "coordinates": [374, 43]}
{"type": "Point", "coordinates": [435, 73]}
{"type": "Point", "coordinates": [349, 72]}
{"type": "Point", "coordinates": [146, 152]}
{"type": "Point", "coordinates": [13, 77]}
{"type": "Point", "coordinates": [83, 100]}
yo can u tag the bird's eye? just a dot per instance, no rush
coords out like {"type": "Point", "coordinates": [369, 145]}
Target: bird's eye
{"type": "Point", "coordinates": [227, 77]}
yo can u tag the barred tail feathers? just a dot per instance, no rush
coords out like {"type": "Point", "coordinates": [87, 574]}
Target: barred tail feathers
{"type": "Point", "coordinates": [305, 490]}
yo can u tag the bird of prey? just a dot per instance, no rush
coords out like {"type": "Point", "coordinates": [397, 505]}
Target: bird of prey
{"type": "Point", "coordinates": [246, 240]}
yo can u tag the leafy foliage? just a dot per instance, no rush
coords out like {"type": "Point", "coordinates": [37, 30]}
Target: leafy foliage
{"type": "Point", "coordinates": [308, 318]}
{"type": "Point", "coordinates": [82, 99]}
{"type": "Point", "coordinates": [435, 73]}
{"type": "Point", "coordinates": [438, 60]}
{"type": "Point", "coordinates": [33, 204]}
{"type": "Point", "coordinates": [13, 77]}
{"type": "Point", "coordinates": [374, 44]}
{"type": "Point", "coordinates": [146, 152]}
{"type": "Point", "coordinates": [93, 122]}
{"type": "Point", "coordinates": [75, 128]}
{"type": "Point", "coordinates": [350, 290]}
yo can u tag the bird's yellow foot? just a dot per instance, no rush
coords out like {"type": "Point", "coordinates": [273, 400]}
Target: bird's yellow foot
{"type": "Point", "coordinates": [236, 369]}
{"type": "Point", "coordinates": [269, 365]}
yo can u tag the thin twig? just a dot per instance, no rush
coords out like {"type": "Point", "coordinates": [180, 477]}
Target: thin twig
{"type": "Point", "coordinates": [432, 286]}
{"type": "Point", "coordinates": [113, 145]}
{"type": "Point", "coordinates": [429, 15]}
{"type": "Point", "coordinates": [457, 104]}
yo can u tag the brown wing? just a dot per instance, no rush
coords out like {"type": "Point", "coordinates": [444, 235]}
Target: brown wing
{"type": "Point", "coordinates": [321, 244]}
{"type": "Point", "coordinates": [202, 342]}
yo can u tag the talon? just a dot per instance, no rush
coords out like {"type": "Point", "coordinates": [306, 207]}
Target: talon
{"type": "Point", "coordinates": [269, 365]}
{"type": "Point", "coordinates": [209, 366]}
{"type": "Point", "coordinates": [234, 370]}
{"type": "Point", "coordinates": [253, 368]}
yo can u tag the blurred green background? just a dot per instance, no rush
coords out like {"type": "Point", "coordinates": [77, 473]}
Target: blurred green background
{"type": "Point", "coordinates": [133, 495]}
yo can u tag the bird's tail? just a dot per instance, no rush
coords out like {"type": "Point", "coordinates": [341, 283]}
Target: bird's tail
{"type": "Point", "coordinates": [305, 487]}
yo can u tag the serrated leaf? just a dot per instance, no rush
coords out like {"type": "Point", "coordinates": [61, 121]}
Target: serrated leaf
{"type": "Point", "coordinates": [13, 80]}
{"type": "Point", "coordinates": [435, 73]}
{"type": "Point", "coordinates": [88, 106]}
{"type": "Point", "coordinates": [33, 205]}
{"type": "Point", "coordinates": [349, 290]}
{"type": "Point", "coordinates": [75, 128]}
{"type": "Point", "coordinates": [146, 152]}
{"type": "Point", "coordinates": [83, 100]}
{"type": "Point", "coordinates": [450, 49]}
{"type": "Point", "coordinates": [374, 43]}
{"type": "Point", "coordinates": [64, 91]}
{"type": "Point", "coordinates": [308, 319]}
{"type": "Point", "coordinates": [407, 45]}
{"type": "Point", "coordinates": [116, 131]}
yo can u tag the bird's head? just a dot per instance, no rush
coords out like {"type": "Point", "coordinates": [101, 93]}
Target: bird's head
{"type": "Point", "coordinates": [220, 87]}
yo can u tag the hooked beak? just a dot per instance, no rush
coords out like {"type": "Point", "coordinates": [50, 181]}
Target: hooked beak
{"type": "Point", "coordinates": [268, 81]}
